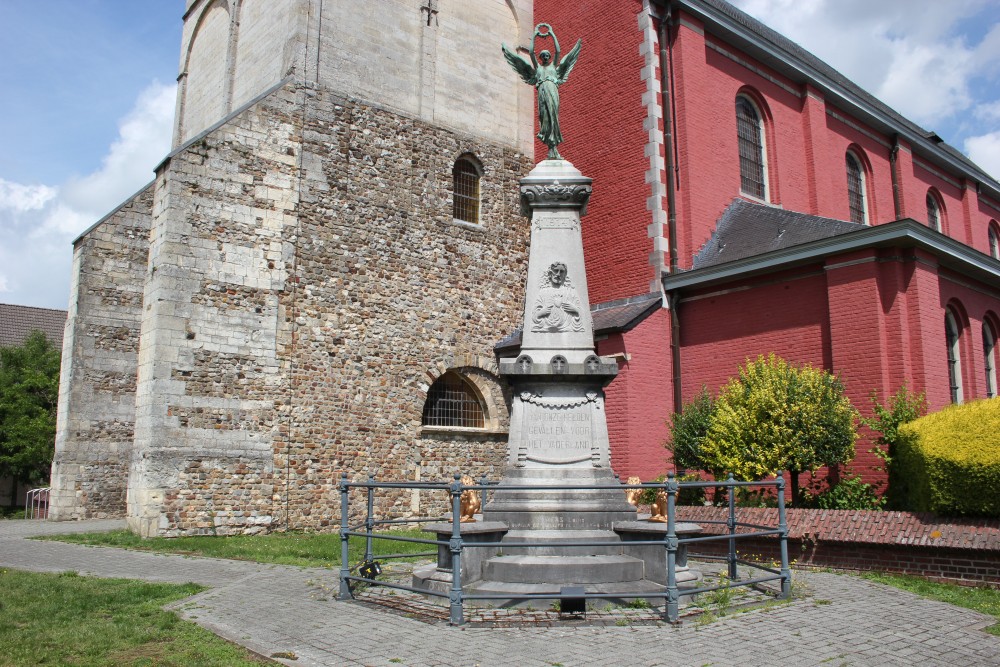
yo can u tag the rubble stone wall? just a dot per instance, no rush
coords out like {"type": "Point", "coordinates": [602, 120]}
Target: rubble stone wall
{"type": "Point", "coordinates": [307, 284]}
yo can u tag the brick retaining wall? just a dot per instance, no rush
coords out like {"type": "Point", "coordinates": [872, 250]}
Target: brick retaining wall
{"type": "Point", "coordinates": [965, 551]}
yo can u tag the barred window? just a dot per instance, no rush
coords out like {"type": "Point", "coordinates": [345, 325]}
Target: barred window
{"type": "Point", "coordinates": [994, 236]}
{"type": "Point", "coordinates": [451, 401]}
{"type": "Point", "coordinates": [952, 336]}
{"type": "Point", "coordinates": [465, 192]}
{"type": "Point", "coordinates": [990, 354]}
{"type": "Point", "coordinates": [856, 190]}
{"type": "Point", "coordinates": [933, 212]}
{"type": "Point", "coordinates": [750, 131]}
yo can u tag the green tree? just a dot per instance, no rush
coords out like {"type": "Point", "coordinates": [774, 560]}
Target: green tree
{"type": "Point", "coordinates": [29, 389]}
{"type": "Point", "coordinates": [775, 417]}
{"type": "Point", "coordinates": [902, 407]}
{"type": "Point", "coordinates": [687, 432]}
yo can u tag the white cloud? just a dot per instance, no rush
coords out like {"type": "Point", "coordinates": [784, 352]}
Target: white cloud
{"type": "Point", "coordinates": [20, 198]}
{"type": "Point", "coordinates": [909, 54]}
{"type": "Point", "coordinates": [988, 112]}
{"type": "Point", "coordinates": [143, 141]}
{"type": "Point", "coordinates": [984, 150]}
{"type": "Point", "coordinates": [39, 222]}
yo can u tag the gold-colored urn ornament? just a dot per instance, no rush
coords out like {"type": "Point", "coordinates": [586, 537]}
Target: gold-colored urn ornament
{"type": "Point", "coordinates": [470, 501]}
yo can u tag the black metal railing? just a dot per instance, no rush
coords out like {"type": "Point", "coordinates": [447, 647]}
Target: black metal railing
{"type": "Point", "coordinates": [673, 544]}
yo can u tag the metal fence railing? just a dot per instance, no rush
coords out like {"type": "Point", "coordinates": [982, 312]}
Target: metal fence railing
{"type": "Point", "coordinates": [36, 504]}
{"type": "Point", "coordinates": [673, 544]}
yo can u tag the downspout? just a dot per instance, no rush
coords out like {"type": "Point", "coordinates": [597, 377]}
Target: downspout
{"type": "Point", "coordinates": [893, 154]}
{"type": "Point", "coordinates": [666, 74]}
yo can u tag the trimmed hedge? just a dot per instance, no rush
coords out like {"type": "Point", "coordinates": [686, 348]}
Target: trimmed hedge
{"type": "Point", "coordinates": [948, 462]}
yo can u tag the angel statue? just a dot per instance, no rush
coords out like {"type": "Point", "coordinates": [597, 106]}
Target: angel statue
{"type": "Point", "coordinates": [547, 78]}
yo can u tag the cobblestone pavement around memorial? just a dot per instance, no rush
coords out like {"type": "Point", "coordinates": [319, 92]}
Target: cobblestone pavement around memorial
{"type": "Point", "coordinates": [841, 620]}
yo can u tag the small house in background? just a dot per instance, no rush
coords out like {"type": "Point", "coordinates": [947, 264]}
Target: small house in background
{"type": "Point", "coordinates": [16, 323]}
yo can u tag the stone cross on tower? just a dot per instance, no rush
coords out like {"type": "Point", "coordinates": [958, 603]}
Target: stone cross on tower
{"type": "Point", "coordinates": [430, 7]}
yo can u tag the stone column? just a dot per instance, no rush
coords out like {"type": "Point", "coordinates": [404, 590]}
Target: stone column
{"type": "Point", "coordinates": [558, 429]}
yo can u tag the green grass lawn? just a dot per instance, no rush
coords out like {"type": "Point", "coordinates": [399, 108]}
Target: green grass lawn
{"type": "Point", "coordinates": [303, 549]}
{"type": "Point", "coordinates": [979, 598]}
{"type": "Point", "coordinates": [66, 619]}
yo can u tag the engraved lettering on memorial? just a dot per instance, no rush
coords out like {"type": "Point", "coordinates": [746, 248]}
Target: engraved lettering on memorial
{"type": "Point", "coordinates": [557, 308]}
{"type": "Point", "coordinates": [556, 222]}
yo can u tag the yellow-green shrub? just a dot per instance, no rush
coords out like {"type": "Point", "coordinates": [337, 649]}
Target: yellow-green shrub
{"type": "Point", "coordinates": [949, 461]}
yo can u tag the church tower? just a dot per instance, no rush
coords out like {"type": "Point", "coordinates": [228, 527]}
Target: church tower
{"type": "Point", "coordinates": [432, 59]}
{"type": "Point", "coordinates": [331, 247]}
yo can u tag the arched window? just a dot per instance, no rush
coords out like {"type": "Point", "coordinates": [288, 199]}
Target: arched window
{"type": "Point", "coordinates": [753, 164]}
{"type": "Point", "coordinates": [990, 354]}
{"type": "Point", "coordinates": [933, 211]}
{"type": "Point", "coordinates": [994, 236]}
{"type": "Point", "coordinates": [856, 189]}
{"type": "Point", "coordinates": [465, 190]}
{"type": "Point", "coordinates": [452, 401]}
{"type": "Point", "coordinates": [952, 336]}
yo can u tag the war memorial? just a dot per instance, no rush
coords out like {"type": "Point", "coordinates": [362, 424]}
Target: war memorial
{"type": "Point", "coordinates": [559, 526]}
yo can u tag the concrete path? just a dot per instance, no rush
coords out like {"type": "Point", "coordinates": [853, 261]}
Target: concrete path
{"type": "Point", "coordinates": [271, 609]}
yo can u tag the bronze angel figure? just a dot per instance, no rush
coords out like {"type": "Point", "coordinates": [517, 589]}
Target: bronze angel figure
{"type": "Point", "coordinates": [546, 77]}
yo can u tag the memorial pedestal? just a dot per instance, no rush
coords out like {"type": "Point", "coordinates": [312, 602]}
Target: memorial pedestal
{"type": "Point", "coordinates": [558, 433]}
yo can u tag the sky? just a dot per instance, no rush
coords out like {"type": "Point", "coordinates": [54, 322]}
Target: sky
{"type": "Point", "coordinates": [88, 93]}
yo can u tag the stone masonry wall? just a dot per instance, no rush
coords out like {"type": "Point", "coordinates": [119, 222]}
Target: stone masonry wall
{"type": "Point", "coordinates": [97, 383]}
{"type": "Point", "coordinates": [307, 284]}
{"type": "Point", "coordinates": [210, 383]}
{"type": "Point", "coordinates": [390, 293]}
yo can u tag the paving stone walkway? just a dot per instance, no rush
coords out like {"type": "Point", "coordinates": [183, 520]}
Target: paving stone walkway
{"type": "Point", "coordinates": [270, 609]}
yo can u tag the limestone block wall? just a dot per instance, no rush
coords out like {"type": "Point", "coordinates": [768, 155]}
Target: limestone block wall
{"type": "Point", "coordinates": [306, 285]}
{"type": "Point", "coordinates": [438, 60]}
{"type": "Point", "coordinates": [209, 384]}
{"type": "Point", "coordinates": [97, 382]}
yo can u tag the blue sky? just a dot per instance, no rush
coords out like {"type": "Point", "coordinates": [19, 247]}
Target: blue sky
{"type": "Point", "coordinates": [88, 99]}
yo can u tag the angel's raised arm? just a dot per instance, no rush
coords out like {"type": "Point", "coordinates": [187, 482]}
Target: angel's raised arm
{"type": "Point", "coordinates": [534, 61]}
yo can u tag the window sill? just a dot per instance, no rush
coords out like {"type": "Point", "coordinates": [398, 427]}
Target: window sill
{"type": "Point", "coordinates": [758, 200]}
{"type": "Point", "coordinates": [476, 227]}
{"type": "Point", "coordinates": [461, 430]}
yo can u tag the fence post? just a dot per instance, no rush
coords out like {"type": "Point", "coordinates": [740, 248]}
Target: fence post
{"type": "Point", "coordinates": [345, 568]}
{"type": "Point", "coordinates": [370, 522]}
{"type": "Point", "coordinates": [786, 572]}
{"type": "Point", "coordinates": [455, 597]}
{"type": "Point", "coordinates": [673, 596]}
{"type": "Point", "coordinates": [731, 522]}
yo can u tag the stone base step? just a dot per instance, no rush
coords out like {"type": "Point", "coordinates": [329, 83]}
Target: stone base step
{"type": "Point", "coordinates": [501, 588]}
{"type": "Point", "coordinates": [551, 539]}
{"type": "Point", "coordinates": [563, 570]}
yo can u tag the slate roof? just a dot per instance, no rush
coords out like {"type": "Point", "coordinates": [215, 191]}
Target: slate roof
{"type": "Point", "coordinates": [795, 52]}
{"type": "Point", "coordinates": [746, 229]}
{"type": "Point", "coordinates": [609, 317]}
{"type": "Point", "coordinates": [16, 322]}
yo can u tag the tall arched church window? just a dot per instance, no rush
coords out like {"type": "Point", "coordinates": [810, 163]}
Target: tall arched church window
{"type": "Point", "coordinates": [933, 211]}
{"type": "Point", "coordinates": [753, 164]}
{"type": "Point", "coordinates": [452, 401]}
{"type": "Point", "coordinates": [994, 238]}
{"type": "Point", "coordinates": [465, 190]}
{"type": "Point", "coordinates": [952, 336]}
{"type": "Point", "coordinates": [856, 189]}
{"type": "Point", "coordinates": [990, 354]}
